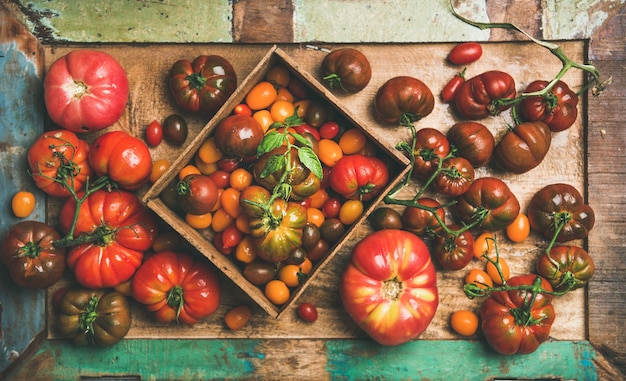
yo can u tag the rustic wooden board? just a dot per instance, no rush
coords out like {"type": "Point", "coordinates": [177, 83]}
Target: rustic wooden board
{"type": "Point", "coordinates": [147, 67]}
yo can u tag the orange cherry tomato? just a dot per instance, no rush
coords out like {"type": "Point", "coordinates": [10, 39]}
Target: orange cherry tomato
{"type": "Point", "coordinates": [291, 275]}
{"type": "Point", "coordinates": [243, 223]}
{"type": "Point", "coordinates": [237, 317]}
{"type": "Point", "coordinates": [264, 117]}
{"type": "Point", "coordinates": [483, 245]}
{"type": "Point", "coordinates": [306, 266]}
{"type": "Point", "coordinates": [519, 229]}
{"type": "Point", "coordinates": [284, 95]}
{"type": "Point", "coordinates": [208, 151]}
{"type": "Point", "coordinates": [230, 202]}
{"type": "Point", "coordinates": [464, 322]}
{"type": "Point", "coordinates": [352, 141]}
{"type": "Point", "coordinates": [491, 269]}
{"type": "Point", "coordinates": [261, 96]}
{"type": "Point", "coordinates": [158, 169]}
{"type": "Point", "coordinates": [23, 204]}
{"type": "Point", "coordinates": [221, 220]}
{"type": "Point", "coordinates": [319, 198]}
{"type": "Point", "coordinates": [315, 216]}
{"type": "Point", "coordinates": [479, 277]}
{"type": "Point", "coordinates": [350, 211]}
{"type": "Point", "coordinates": [240, 179]}
{"type": "Point", "coordinates": [277, 291]}
{"type": "Point", "coordinates": [281, 110]}
{"type": "Point", "coordinates": [329, 152]}
{"type": "Point", "coordinates": [199, 221]}
{"type": "Point", "coordinates": [246, 250]}
{"type": "Point", "coordinates": [205, 168]}
{"type": "Point", "coordinates": [187, 170]}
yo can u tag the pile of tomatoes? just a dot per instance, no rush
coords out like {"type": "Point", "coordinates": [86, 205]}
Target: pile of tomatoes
{"type": "Point", "coordinates": [517, 314]}
{"type": "Point", "coordinates": [279, 182]}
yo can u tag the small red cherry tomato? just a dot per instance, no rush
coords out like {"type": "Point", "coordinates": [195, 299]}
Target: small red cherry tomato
{"type": "Point", "coordinates": [307, 312]}
{"type": "Point", "coordinates": [242, 109]}
{"type": "Point", "coordinates": [447, 94]}
{"type": "Point", "coordinates": [154, 133]}
{"type": "Point", "coordinates": [465, 53]}
{"type": "Point", "coordinates": [329, 130]}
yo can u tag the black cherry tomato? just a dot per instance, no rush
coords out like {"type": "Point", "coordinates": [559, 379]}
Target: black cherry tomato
{"type": "Point", "coordinates": [175, 130]}
{"type": "Point", "coordinates": [307, 312]}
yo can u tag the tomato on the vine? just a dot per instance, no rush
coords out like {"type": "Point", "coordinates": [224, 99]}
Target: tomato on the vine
{"type": "Point", "coordinates": [566, 266]}
{"type": "Point", "coordinates": [421, 221]}
{"type": "Point", "coordinates": [558, 108]}
{"type": "Point", "coordinates": [453, 251]}
{"type": "Point", "coordinates": [430, 146]}
{"type": "Point", "coordinates": [455, 177]}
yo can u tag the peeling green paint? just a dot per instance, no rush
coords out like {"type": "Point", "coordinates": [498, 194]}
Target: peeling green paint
{"type": "Point", "coordinates": [179, 21]}
{"type": "Point", "coordinates": [575, 19]}
{"type": "Point", "coordinates": [384, 21]}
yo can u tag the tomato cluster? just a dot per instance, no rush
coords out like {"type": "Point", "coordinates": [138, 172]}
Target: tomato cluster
{"type": "Point", "coordinates": [279, 182]}
{"type": "Point", "coordinates": [481, 207]}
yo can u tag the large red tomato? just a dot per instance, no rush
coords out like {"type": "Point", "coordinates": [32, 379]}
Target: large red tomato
{"type": "Point", "coordinates": [177, 287]}
{"type": "Point", "coordinates": [85, 90]}
{"type": "Point", "coordinates": [58, 161]}
{"type": "Point", "coordinates": [518, 321]}
{"type": "Point", "coordinates": [479, 97]}
{"type": "Point", "coordinates": [121, 228]}
{"type": "Point", "coordinates": [123, 157]}
{"type": "Point", "coordinates": [389, 287]}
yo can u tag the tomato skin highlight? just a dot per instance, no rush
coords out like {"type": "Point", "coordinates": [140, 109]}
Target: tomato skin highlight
{"type": "Point", "coordinates": [465, 53]}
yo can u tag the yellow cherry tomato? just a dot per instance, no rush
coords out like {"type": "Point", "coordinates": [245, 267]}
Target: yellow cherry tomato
{"type": "Point", "coordinates": [23, 204]}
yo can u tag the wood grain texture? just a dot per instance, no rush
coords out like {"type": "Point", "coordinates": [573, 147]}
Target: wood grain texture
{"type": "Point", "coordinates": [256, 21]}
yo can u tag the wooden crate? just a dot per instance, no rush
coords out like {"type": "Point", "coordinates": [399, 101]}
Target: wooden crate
{"type": "Point", "coordinates": [202, 239]}
{"type": "Point", "coordinates": [149, 99]}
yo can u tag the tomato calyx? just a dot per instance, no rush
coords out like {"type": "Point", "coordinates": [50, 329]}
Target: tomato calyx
{"type": "Point", "coordinates": [30, 250]}
{"type": "Point", "coordinates": [88, 316]}
{"type": "Point", "coordinates": [175, 299]}
{"type": "Point", "coordinates": [197, 81]}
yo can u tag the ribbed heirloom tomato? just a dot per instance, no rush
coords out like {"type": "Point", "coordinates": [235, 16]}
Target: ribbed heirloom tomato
{"type": "Point", "coordinates": [59, 160]}
{"type": "Point", "coordinates": [175, 286]}
{"type": "Point", "coordinates": [359, 177]}
{"type": "Point", "coordinates": [121, 229]}
{"type": "Point", "coordinates": [479, 97]}
{"type": "Point", "coordinates": [389, 287]}
{"type": "Point", "coordinates": [85, 90]}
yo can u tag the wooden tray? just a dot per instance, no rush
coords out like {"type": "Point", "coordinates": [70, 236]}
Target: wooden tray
{"type": "Point", "coordinates": [147, 67]}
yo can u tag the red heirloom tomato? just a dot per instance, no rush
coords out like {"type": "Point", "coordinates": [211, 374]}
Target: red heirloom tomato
{"type": "Point", "coordinates": [403, 99]}
{"type": "Point", "coordinates": [430, 147]}
{"type": "Point", "coordinates": [204, 85]}
{"type": "Point", "coordinates": [177, 287]}
{"type": "Point", "coordinates": [560, 204]}
{"type": "Point", "coordinates": [347, 69]}
{"type": "Point", "coordinates": [59, 157]}
{"type": "Point", "coordinates": [124, 158]}
{"type": "Point", "coordinates": [278, 232]}
{"type": "Point", "coordinates": [389, 288]}
{"type": "Point", "coordinates": [473, 141]}
{"type": "Point", "coordinates": [93, 317]}
{"type": "Point", "coordinates": [121, 229]}
{"type": "Point", "coordinates": [523, 147]}
{"type": "Point", "coordinates": [421, 221]}
{"type": "Point", "coordinates": [558, 108]}
{"type": "Point", "coordinates": [454, 252]}
{"type": "Point", "coordinates": [85, 90]}
{"type": "Point", "coordinates": [465, 53]}
{"type": "Point", "coordinates": [478, 97]}
{"type": "Point", "coordinates": [565, 264]}
{"type": "Point", "coordinates": [455, 177]}
{"type": "Point", "coordinates": [359, 177]}
{"type": "Point", "coordinates": [490, 201]}
{"type": "Point", "coordinates": [29, 253]}
{"type": "Point", "coordinates": [518, 321]}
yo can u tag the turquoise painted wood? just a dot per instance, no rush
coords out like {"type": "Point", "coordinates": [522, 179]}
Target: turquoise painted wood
{"type": "Point", "coordinates": [21, 121]}
{"type": "Point", "coordinates": [345, 360]}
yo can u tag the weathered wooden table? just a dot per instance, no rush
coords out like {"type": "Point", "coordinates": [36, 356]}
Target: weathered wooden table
{"type": "Point", "coordinates": [587, 347]}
